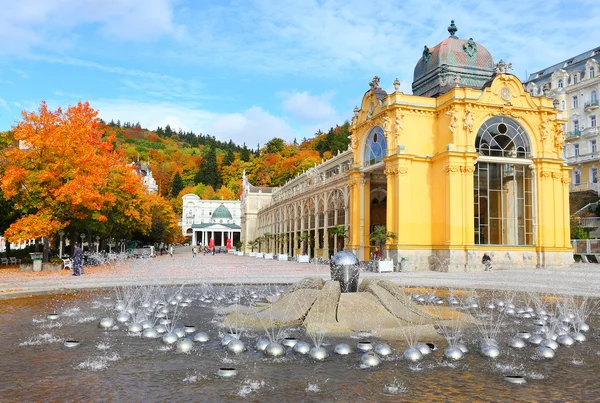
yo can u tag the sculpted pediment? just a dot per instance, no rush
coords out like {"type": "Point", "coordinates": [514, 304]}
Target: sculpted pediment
{"type": "Point", "coordinates": [508, 89]}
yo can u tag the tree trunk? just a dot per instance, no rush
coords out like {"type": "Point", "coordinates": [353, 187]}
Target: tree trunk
{"type": "Point", "coordinates": [7, 247]}
{"type": "Point", "coordinates": [46, 249]}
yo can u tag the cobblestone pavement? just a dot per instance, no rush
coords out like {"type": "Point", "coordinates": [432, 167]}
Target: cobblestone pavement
{"type": "Point", "coordinates": [182, 268]}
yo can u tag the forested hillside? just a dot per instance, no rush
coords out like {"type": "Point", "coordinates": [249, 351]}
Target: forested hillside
{"type": "Point", "coordinates": [185, 162]}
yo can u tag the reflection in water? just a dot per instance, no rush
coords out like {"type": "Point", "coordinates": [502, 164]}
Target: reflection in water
{"type": "Point", "coordinates": [118, 366]}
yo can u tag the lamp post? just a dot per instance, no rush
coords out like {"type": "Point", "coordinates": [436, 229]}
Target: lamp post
{"type": "Point", "coordinates": [82, 236]}
{"type": "Point", "coordinates": [97, 243]}
{"type": "Point", "coordinates": [61, 233]}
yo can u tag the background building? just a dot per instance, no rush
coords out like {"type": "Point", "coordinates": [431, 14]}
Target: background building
{"type": "Point", "coordinates": [574, 85]}
{"type": "Point", "coordinates": [206, 219]}
{"type": "Point", "coordinates": [469, 164]}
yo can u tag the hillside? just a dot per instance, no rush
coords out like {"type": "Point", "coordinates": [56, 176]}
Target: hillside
{"type": "Point", "coordinates": [212, 168]}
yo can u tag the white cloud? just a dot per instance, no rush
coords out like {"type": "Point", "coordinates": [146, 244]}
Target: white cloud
{"type": "Point", "coordinates": [308, 108]}
{"type": "Point", "coordinates": [50, 23]}
{"type": "Point", "coordinates": [252, 126]}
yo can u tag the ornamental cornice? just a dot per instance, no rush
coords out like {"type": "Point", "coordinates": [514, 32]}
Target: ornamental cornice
{"type": "Point", "coordinates": [463, 169]}
{"type": "Point", "coordinates": [395, 171]}
{"type": "Point", "coordinates": [545, 175]}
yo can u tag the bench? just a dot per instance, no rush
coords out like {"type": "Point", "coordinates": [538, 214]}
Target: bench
{"type": "Point", "coordinates": [14, 260]}
{"type": "Point", "coordinates": [4, 261]}
{"type": "Point", "coordinates": [68, 264]}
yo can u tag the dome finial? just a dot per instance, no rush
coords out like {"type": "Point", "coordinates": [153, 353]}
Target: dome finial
{"type": "Point", "coordinates": [452, 29]}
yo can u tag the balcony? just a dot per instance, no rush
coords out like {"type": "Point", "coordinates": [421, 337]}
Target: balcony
{"type": "Point", "coordinates": [581, 158]}
{"type": "Point", "coordinates": [591, 105]}
{"type": "Point", "coordinates": [590, 131]}
{"type": "Point", "coordinates": [573, 134]}
{"type": "Point", "coordinates": [584, 187]}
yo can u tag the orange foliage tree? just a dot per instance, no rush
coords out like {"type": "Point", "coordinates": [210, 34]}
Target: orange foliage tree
{"type": "Point", "coordinates": [67, 173]}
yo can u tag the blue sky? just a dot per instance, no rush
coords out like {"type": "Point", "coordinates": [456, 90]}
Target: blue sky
{"type": "Point", "coordinates": [250, 70]}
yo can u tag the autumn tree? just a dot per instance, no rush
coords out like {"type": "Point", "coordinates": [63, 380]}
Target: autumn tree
{"type": "Point", "coordinates": [67, 173]}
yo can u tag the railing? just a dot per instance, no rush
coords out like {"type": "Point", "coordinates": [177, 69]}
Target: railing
{"type": "Point", "coordinates": [593, 205]}
{"type": "Point", "coordinates": [591, 104]}
{"type": "Point", "coordinates": [591, 131]}
{"type": "Point", "coordinates": [584, 186]}
{"type": "Point", "coordinates": [589, 222]}
{"type": "Point", "coordinates": [572, 134]}
{"type": "Point", "coordinates": [586, 246]}
{"type": "Point", "coordinates": [583, 157]}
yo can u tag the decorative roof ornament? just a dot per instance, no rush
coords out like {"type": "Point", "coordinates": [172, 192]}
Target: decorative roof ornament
{"type": "Point", "coordinates": [396, 84]}
{"type": "Point", "coordinates": [452, 29]}
{"type": "Point", "coordinates": [356, 110]}
{"type": "Point", "coordinates": [374, 84]}
{"type": "Point", "coordinates": [426, 54]}
{"type": "Point", "coordinates": [470, 47]}
{"type": "Point", "coordinates": [502, 67]}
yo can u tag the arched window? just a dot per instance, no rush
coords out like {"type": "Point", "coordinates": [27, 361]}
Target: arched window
{"type": "Point", "coordinates": [594, 97]}
{"type": "Point", "coordinates": [375, 147]}
{"type": "Point", "coordinates": [592, 72]}
{"type": "Point", "coordinates": [503, 184]}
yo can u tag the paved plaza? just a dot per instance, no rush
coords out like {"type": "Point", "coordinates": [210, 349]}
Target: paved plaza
{"type": "Point", "coordinates": [182, 268]}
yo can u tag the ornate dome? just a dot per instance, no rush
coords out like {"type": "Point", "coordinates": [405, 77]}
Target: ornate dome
{"type": "Point", "coordinates": [453, 62]}
{"type": "Point", "coordinates": [221, 213]}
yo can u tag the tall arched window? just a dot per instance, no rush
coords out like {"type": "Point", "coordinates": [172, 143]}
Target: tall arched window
{"type": "Point", "coordinates": [503, 184]}
{"type": "Point", "coordinates": [375, 147]}
{"type": "Point", "coordinates": [594, 97]}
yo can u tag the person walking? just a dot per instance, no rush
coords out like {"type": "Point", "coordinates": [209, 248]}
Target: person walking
{"type": "Point", "coordinates": [77, 260]}
{"type": "Point", "coordinates": [194, 251]}
{"type": "Point", "coordinates": [486, 260]}
{"type": "Point", "coordinates": [171, 250]}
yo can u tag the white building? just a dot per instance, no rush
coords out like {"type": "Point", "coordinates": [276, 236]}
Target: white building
{"type": "Point", "coordinates": [203, 220]}
{"type": "Point", "coordinates": [574, 84]}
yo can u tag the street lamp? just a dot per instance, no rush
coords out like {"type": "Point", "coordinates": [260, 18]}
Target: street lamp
{"type": "Point", "coordinates": [82, 236]}
{"type": "Point", "coordinates": [97, 243]}
{"type": "Point", "coordinates": [61, 233]}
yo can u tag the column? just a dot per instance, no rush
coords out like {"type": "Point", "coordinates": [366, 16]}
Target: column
{"type": "Point", "coordinates": [326, 234]}
{"type": "Point", "coordinates": [316, 242]}
{"type": "Point", "coordinates": [353, 216]}
{"type": "Point", "coordinates": [302, 231]}
{"type": "Point", "coordinates": [365, 224]}
{"type": "Point", "coordinates": [193, 237]}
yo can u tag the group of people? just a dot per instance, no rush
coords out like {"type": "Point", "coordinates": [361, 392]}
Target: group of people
{"type": "Point", "coordinates": [205, 250]}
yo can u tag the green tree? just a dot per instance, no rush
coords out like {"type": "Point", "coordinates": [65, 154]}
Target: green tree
{"type": "Point", "coordinates": [177, 185]}
{"type": "Point", "coordinates": [380, 236]}
{"type": "Point", "coordinates": [275, 145]}
{"type": "Point", "coordinates": [245, 154]}
{"type": "Point", "coordinates": [229, 158]}
{"type": "Point", "coordinates": [339, 233]}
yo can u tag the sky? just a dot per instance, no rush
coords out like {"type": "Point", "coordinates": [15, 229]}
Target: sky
{"type": "Point", "coordinates": [251, 70]}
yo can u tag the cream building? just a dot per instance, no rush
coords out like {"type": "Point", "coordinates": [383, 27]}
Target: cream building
{"type": "Point", "coordinates": [574, 84]}
{"type": "Point", "coordinates": [470, 163]}
{"type": "Point", "coordinates": [203, 220]}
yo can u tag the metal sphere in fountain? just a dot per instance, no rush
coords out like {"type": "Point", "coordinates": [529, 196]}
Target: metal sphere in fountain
{"type": "Point", "coordinates": [184, 304]}
{"type": "Point", "coordinates": [383, 349]}
{"type": "Point", "coordinates": [509, 311]}
{"type": "Point", "coordinates": [150, 333]}
{"type": "Point", "coordinates": [370, 359]}
{"type": "Point", "coordinates": [201, 337]}
{"type": "Point", "coordinates": [578, 336]}
{"type": "Point", "coordinates": [536, 339]}
{"type": "Point", "coordinates": [185, 346]}
{"type": "Point", "coordinates": [523, 335]}
{"type": "Point", "coordinates": [106, 323]}
{"type": "Point", "coordinates": [134, 327]}
{"type": "Point", "coordinates": [545, 352]}
{"type": "Point", "coordinates": [161, 329]}
{"type": "Point", "coordinates": [301, 348]}
{"type": "Point", "coordinates": [236, 346]}
{"type": "Point", "coordinates": [517, 342]}
{"type": "Point", "coordinates": [123, 317]}
{"type": "Point", "coordinates": [261, 344]}
{"type": "Point", "coordinates": [516, 379]}
{"type": "Point", "coordinates": [583, 327]}
{"type": "Point", "coordinates": [170, 338]}
{"type": "Point", "coordinates": [364, 345]}
{"type": "Point", "coordinates": [146, 324]}
{"type": "Point", "coordinates": [318, 353]}
{"type": "Point", "coordinates": [188, 329]}
{"type": "Point", "coordinates": [453, 353]}
{"type": "Point", "coordinates": [52, 316]}
{"type": "Point", "coordinates": [274, 350]}
{"type": "Point", "coordinates": [165, 321]}
{"type": "Point", "coordinates": [164, 310]}
{"type": "Point", "coordinates": [413, 354]}
{"type": "Point", "coordinates": [120, 306]}
{"type": "Point", "coordinates": [289, 342]}
{"type": "Point", "coordinates": [160, 315]}
{"type": "Point", "coordinates": [565, 340]}
{"type": "Point", "coordinates": [342, 349]}
{"type": "Point", "coordinates": [179, 332]}
{"type": "Point", "coordinates": [490, 350]}
{"type": "Point", "coordinates": [423, 348]}
{"type": "Point", "coordinates": [228, 338]}
{"type": "Point", "coordinates": [549, 343]}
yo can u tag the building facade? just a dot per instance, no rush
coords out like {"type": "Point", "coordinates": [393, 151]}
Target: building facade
{"type": "Point", "coordinates": [470, 163]}
{"type": "Point", "coordinates": [203, 220]}
{"type": "Point", "coordinates": [574, 85]}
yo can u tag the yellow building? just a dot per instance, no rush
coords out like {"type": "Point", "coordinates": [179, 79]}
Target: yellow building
{"type": "Point", "coordinates": [470, 163]}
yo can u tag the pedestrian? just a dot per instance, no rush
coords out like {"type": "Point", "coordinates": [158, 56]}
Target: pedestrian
{"type": "Point", "coordinates": [194, 251]}
{"type": "Point", "coordinates": [486, 260]}
{"type": "Point", "coordinates": [171, 250]}
{"type": "Point", "coordinates": [77, 260]}
{"type": "Point", "coordinates": [213, 250]}
{"type": "Point", "coordinates": [377, 254]}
